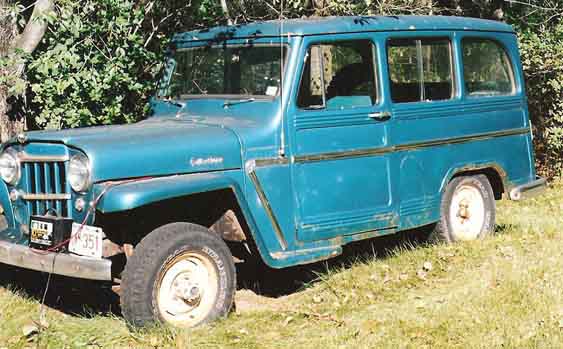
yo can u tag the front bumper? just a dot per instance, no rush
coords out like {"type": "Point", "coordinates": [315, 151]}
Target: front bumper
{"type": "Point", "coordinates": [53, 262]}
{"type": "Point", "coordinates": [528, 190]}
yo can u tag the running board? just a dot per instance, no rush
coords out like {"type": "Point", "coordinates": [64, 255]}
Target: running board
{"type": "Point", "coordinates": [311, 254]}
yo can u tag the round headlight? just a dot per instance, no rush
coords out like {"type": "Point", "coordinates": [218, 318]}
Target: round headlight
{"type": "Point", "coordinates": [79, 173]}
{"type": "Point", "coordinates": [10, 167]}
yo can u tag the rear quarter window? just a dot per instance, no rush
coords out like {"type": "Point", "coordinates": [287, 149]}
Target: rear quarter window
{"type": "Point", "coordinates": [487, 69]}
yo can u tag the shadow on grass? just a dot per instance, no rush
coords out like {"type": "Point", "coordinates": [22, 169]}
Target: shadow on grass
{"type": "Point", "coordinates": [88, 298]}
{"type": "Point", "coordinates": [69, 295]}
{"type": "Point", "coordinates": [274, 283]}
{"type": "Point", "coordinates": [502, 229]}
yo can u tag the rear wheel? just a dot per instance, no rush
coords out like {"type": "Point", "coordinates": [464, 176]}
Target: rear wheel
{"type": "Point", "coordinates": [181, 275]}
{"type": "Point", "coordinates": [467, 210]}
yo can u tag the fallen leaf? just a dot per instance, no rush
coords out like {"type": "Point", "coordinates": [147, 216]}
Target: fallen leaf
{"type": "Point", "coordinates": [287, 320]}
{"type": "Point", "coordinates": [29, 330]}
{"type": "Point", "coordinates": [369, 326]}
{"type": "Point", "coordinates": [421, 274]}
{"type": "Point", "coordinates": [317, 299]}
{"type": "Point", "coordinates": [154, 341]}
{"type": "Point", "coordinates": [427, 266]}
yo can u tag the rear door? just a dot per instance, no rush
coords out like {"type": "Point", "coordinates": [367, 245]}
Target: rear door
{"type": "Point", "coordinates": [341, 169]}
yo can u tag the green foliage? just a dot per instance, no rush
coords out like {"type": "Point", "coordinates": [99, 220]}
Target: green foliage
{"type": "Point", "coordinates": [10, 81]}
{"type": "Point", "coordinates": [542, 58]}
{"type": "Point", "coordinates": [94, 68]}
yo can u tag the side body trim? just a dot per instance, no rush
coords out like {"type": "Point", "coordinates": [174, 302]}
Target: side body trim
{"type": "Point", "coordinates": [408, 146]}
{"type": "Point", "coordinates": [251, 169]}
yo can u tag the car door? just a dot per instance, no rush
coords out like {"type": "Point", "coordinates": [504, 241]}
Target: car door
{"type": "Point", "coordinates": [341, 168]}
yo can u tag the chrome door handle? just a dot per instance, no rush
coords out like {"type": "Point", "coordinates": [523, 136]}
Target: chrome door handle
{"type": "Point", "coordinates": [380, 116]}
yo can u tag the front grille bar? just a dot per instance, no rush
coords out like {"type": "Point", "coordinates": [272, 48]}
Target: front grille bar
{"type": "Point", "coordinates": [26, 196]}
{"type": "Point", "coordinates": [24, 157]}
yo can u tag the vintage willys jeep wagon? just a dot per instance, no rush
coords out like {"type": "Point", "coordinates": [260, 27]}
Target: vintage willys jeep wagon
{"type": "Point", "coordinates": [289, 139]}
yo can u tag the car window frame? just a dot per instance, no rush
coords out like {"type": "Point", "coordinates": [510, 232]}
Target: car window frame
{"type": "Point", "coordinates": [421, 38]}
{"type": "Point", "coordinates": [378, 98]}
{"type": "Point", "coordinates": [166, 78]}
{"type": "Point", "coordinates": [512, 65]}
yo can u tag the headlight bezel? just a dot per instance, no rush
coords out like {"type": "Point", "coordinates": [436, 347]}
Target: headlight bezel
{"type": "Point", "coordinates": [84, 165]}
{"type": "Point", "coordinates": [15, 178]}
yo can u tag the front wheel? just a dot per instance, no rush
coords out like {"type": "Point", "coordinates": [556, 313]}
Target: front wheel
{"type": "Point", "coordinates": [467, 210]}
{"type": "Point", "coordinates": [181, 275]}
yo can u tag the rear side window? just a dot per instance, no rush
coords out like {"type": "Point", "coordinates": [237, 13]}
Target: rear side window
{"type": "Point", "coordinates": [420, 69]}
{"type": "Point", "coordinates": [338, 75]}
{"type": "Point", "coordinates": [486, 68]}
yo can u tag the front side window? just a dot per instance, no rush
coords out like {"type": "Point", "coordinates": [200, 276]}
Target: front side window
{"type": "Point", "coordinates": [338, 75]}
{"type": "Point", "coordinates": [226, 70]}
{"type": "Point", "coordinates": [486, 68]}
{"type": "Point", "coordinates": [420, 70]}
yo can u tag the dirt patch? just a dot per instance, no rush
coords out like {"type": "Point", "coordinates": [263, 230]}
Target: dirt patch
{"type": "Point", "coordinates": [247, 301]}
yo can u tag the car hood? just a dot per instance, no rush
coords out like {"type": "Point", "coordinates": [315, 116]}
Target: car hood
{"type": "Point", "coordinates": [155, 147]}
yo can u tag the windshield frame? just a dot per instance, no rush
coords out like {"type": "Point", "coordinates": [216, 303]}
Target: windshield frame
{"type": "Point", "coordinates": [168, 68]}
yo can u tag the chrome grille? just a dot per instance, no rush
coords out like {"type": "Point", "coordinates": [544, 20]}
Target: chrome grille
{"type": "Point", "coordinates": [45, 187]}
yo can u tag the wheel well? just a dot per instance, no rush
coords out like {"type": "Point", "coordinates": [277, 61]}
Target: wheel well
{"type": "Point", "coordinates": [203, 209]}
{"type": "Point", "coordinates": [492, 175]}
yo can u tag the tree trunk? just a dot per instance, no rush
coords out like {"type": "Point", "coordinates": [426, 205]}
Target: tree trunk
{"type": "Point", "coordinates": [9, 41]}
{"type": "Point", "coordinates": [7, 37]}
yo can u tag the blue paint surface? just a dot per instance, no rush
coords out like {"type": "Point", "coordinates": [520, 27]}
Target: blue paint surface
{"type": "Point", "coordinates": [384, 184]}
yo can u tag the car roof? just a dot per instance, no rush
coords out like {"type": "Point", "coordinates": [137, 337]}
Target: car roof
{"type": "Point", "coordinates": [344, 24]}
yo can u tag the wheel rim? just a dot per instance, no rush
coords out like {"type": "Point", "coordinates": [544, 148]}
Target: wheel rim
{"type": "Point", "coordinates": [187, 289]}
{"type": "Point", "coordinates": [467, 213]}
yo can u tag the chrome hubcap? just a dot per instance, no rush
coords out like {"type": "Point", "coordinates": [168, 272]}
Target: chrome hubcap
{"type": "Point", "coordinates": [467, 213]}
{"type": "Point", "coordinates": [187, 289]}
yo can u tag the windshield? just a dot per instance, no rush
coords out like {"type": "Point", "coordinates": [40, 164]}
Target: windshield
{"type": "Point", "coordinates": [225, 70]}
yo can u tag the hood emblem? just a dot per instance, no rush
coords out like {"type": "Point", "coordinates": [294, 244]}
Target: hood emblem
{"type": "Point", "coordinates": [214, 160]}
{"type": "Point", "coordinates": [21, 137]}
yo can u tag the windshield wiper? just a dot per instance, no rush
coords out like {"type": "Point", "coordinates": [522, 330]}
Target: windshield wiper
{"type": "Point", "coordinates": [247, 100]}
{"type": "Point", "coordinates": [174, 102]}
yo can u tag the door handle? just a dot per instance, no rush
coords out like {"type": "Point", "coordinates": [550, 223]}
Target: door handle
{"type": "Point", "coordinates": [380, 116]}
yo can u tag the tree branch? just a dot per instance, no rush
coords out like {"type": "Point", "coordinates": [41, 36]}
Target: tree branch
{"type": "Point", "coordinates": [35, 27]}
{"type": "Point", "coordinates": [226, 12]}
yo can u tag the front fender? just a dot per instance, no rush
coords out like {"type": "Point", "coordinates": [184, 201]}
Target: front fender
{"type": "Point", "coordinates": [6, 204]}
{"type": "Point", "coordinates": [130, 195]}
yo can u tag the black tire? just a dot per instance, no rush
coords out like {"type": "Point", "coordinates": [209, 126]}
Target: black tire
{"type": "Point", "coordinates": [156, 254]}
{"type": "Point", "coordinates": [443, 231]}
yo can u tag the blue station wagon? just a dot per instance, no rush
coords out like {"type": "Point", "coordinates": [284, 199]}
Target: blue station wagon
{"type": "Point", "coordinates": [280, 140]}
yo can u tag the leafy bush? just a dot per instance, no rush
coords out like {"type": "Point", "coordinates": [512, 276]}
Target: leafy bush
{"type": "Point", "coordinates": [94, 68]}
{"type": "Point", "coordinates": [100, 59]}
{"type": "Point", "coordinates": [542, 58]}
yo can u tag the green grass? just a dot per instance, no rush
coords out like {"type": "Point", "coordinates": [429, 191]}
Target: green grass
{"type": "Point", "coordinates": [504, 291]}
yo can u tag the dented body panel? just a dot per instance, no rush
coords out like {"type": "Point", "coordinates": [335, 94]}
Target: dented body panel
{"type": "Point", "coordinates": [307, 180]}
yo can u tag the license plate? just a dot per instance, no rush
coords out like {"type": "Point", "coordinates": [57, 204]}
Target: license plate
{"type": "Point", "coordinates": [41, 233]}
{"type": "Point", "coordinates": [86, 241]}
